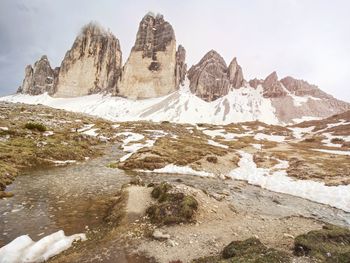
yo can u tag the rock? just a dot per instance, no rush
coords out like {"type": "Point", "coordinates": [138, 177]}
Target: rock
{"type": "Point", "coordinates": [303, 88]}
{"type": "Point", "coordinates": [154, 67]}
{"type": "Point", "coordinates": [272, 88]}
{"type": "Point", "coordinates": [181, 66]}
{"type": "Point", "coordinates": [254, 83]}
{"type": "Point", "coordinates": [38, 79]}
{"type": "Point", "coordinates": [235, 74]}
{"type": "Point", "coordinates": [209, 78]}
{"type": "Point", "coordinates": [92, 65]}
{"type": "Point", "coordinates": [158, 235]}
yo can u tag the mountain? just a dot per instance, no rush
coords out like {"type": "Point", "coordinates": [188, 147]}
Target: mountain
{"type": "Point", "coordinates": [156, 72]}
{"type": "Point", "coordinates": [39, 79]}
{"type": "Point", "coordinates": [154, 67]}
{"type": "Point", "coordinates": [92, 65]}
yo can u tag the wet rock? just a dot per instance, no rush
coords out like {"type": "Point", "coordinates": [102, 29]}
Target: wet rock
{"type": "Point", "coordinates": [92, 65]}
{"type": "Point", "coordinates": [38, 79]}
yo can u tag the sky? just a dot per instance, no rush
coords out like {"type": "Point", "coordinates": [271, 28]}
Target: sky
{"type": "Point", "coordinates": [306, 39]}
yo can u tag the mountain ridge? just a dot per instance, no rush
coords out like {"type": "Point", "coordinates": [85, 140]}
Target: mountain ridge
{"type": "Point", "coordinates": [156, 67]}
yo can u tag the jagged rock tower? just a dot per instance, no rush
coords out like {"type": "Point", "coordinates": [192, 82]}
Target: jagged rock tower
{"type": "Point", "coordinates": [39, 79]}
{"type": "Point", "coordinates": [92, 65]}
{"type": "Point", "coordinates": [211, 79]}
{"type": "Point", "coordinates": [154, 67]}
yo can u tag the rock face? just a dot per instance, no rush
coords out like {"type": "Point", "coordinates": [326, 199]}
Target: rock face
{"type": "Point", "coordinates": [38, 79]}
{"type": "Point", "coordinates": [272, 87]}
{"type": "Point", "coordinates": [92, 65]}
{"type": "Point", "coordinates": [154, 67]}
{"type": "Point", "coordinates": [235, 74]}
{"type": "Point", "coordinates": [181, 66]}
{"type": "Point", "coordinates": [211, 79]}
{"type": "Point", "coordinates": [303, 88]}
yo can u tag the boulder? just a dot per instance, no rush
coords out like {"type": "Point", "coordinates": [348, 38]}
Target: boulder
{"type": "Point", "coordinates": [92, 65]}
{"type": "Point", "coordinates": [38, 79]}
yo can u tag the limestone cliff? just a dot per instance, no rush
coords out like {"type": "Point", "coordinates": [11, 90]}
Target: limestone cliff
{"type": "Point", "coordinates": [235, 74]}
{"type": "Point", "coordinates": [154, 67]}
{"type": "Point", "coordinates": [92, 65]}
{"type": "Point", "coordinates": [211, 78]}
{"type": "Point", "coordinates": [38, 79]}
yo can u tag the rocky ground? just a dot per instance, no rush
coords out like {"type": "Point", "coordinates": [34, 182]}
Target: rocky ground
{"type": "Point", "coordinates": [38, 136]}
{"type": "Point", "coordinates": [202, 211]}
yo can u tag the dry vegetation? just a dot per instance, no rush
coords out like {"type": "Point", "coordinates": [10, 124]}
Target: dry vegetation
{"type": "Point", "coordinates": [34, 136]}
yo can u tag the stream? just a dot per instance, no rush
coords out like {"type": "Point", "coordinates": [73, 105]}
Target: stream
{"type": "Point", "coordinates": [70, 198]}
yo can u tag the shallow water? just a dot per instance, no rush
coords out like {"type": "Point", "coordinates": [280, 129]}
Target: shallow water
{"type": "Point", "coordinates": [67, 198]}
{"type": "Point", "coordinates": [73, 198]}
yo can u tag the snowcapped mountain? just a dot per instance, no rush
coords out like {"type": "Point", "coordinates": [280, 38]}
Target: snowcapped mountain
{"type": "Point", "coordinates": [154, 84]}
{"type": "Point", "coordinates": [182, 106]}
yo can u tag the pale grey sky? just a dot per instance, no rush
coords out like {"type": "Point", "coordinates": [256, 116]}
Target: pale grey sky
{"type": "Point", "coordinates": [307, 39]}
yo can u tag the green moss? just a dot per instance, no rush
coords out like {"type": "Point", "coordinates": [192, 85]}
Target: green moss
{"type": "Point", "coordinates": [159, 191]}
{"type": "Point", "coordinates": [35, 126]}
{"type": "Point", "coordinates": [330, 244]}
{"type": "Point", "coordinates": [172, 208]}
{"type": "Point", "coordinates": [247, 251]}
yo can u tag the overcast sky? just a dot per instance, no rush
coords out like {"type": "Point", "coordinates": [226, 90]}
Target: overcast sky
{"type": "Point", "coordinates": [307, 39]}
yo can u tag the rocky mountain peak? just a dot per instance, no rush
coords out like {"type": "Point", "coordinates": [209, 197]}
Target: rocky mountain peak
{"type": "Point", "coordinates": [272, 87]}
{"type": "Point", "coordinates": [92, 65]}
{"type": "Point", "coordinates": [303, 88]}
{"type": "Point", "coordinates": [154, 67]}
{"type": "Point", "coordinates": [38, 79]}
{"type": "Point", "coordinates": [154, 35]}
{"type": "Point", "coordinates": [235, 74]}
{"type": "Point", "coordinates": [209, 78]}
{"type": "Point", "coordinates": [181, 66]}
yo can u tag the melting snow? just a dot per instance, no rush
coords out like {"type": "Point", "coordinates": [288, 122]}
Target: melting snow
{"type": "Point", "coordinates": [333, 151]}
{"type": "Point", "coordinates": [244, 104]}
{"type": "Point", "coordinates": [298, 133]}
{"type": "Point", "coordinates": [211, 142]}
{"type": "Point", "coordinates": [278, 181]}
{"type": "Point", "coordinates": [257, 146]}
{"type": "Point", "coordinates": [24, 249]}
{"type": "Point", "coordinates": [174, 169]}
{"type": "Point", "coordinates": [220, 133]}
{"type": "Point", "coordinates": [274, 138]}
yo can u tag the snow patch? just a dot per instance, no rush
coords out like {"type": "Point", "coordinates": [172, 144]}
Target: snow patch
{"type": "Point", "coordinates": [332, 151]}
{"type": "Point", "coordinates": [211, 142]}
{"type": "Point", "coordinates": [219, 133]}
{"type": "Point", "coordinates": [276, 180]}
{"type": "Point", "coordinates": [299, 133]}
{"type": "Point", "coordinates": [273, 138]}
{"type": "Point", "coordinates": [24, 249]}
{"type": "Point", "coordinates": [174, 169]}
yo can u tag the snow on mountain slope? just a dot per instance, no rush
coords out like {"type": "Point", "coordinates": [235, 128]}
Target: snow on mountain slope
{"type": "Point", "coordinates": [239, 105]}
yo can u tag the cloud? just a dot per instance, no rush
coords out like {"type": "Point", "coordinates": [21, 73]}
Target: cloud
{"type": "Point", "coordinates": [307, 39]}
